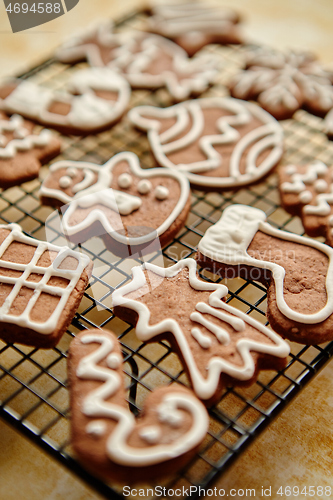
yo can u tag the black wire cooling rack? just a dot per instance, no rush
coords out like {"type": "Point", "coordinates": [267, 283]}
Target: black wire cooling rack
{"type": "Point", "coordinates": [33, 394]}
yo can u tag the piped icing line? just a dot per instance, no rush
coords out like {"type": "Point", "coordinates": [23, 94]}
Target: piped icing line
{"type": "Point", "coordinates": [227, 242]}
{"type": "Point", "coordinates": [23, 139]}
{"type": "Point", "coordinates": [97, 404]}
{"type": "Point", "coordinates": [40, 287]}
{"type": "Point", "coordinates": [267, 137]}
{"type": "Point", "coordinates": [204, 387]}
{"type": "Point", "coordinates": [87, 110]}
{"type": "Point", "coordinates": [119, 201]}
{"type": "Point", "coordinates": [180, 19]}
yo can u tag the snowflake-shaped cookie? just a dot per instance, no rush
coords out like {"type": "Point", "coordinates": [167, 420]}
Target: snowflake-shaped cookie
{"type": "Point", "coordinates": [282, 83]}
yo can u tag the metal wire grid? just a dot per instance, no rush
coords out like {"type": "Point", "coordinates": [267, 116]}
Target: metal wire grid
{"type": "Point", "coordinates": [33, 390]}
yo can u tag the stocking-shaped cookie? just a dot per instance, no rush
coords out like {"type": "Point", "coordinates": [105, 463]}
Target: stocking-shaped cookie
{"type": "Point", "coordinates": [297, 271]}
{"type": "Point", "coordinates": [127, 205]}
{"type": "Point", "coordinates": [217, 141]}
{"type": "Point", "coordinates": [217, 343]}
{"type": "Point", "coordinates": [145, 60]}
{"type": "Point", "coordinates": [105, 434]}
{"type": "Point", "coordinates": [192, 25]}
{"type": "Point", "coordinates": [41, 287]}
{"type": "Point", "coordinates": [101, 98]}
{"type": "Point", "coordinates": [307, 191]}
{"type": "Point", "coordinates": [23, 150]}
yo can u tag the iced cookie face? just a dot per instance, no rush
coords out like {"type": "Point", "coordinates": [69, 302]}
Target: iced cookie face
{"type": "Point", "coordinates": [216, 142]}
{"type": "Point", "coordinates": [132, 205]}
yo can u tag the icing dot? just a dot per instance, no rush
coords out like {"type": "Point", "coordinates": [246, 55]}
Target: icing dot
{"type": "Point", "coordinates": [96, 428]}
{"type": "Point", "coordinates": [320, 186]}
{"type": "Point", "coordinates": [125, 180]}
{"type": "Point", "coordinates": [169, 415]}
{"type": "Point", "coordinates": [144, 186]}
{"type": "Point", "coordinates": [161, 193]}
{"type": "Point", "coordinates": [113, 361]}
{"type": "Point", "coordinates": [330, 220]}
{"type": "Point", "coordinates": [291, 170]}
{"type": "Point", "coordinates": [65, 181]}
{"type": "Point", "coordinates": [305, 197]}
{"type": "Point", "coordinates": [71, 171]}
{"type": "Point", "coordinates": [150, 434]}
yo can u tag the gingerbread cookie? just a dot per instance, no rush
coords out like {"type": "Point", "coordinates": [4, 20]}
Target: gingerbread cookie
{"type": "Point", "coordinates": [23, 150]}
{"type": "Point", "coordinates": [297, 271]}
{"type": "Point", "coordinates": [101, 98]}
{"type": "Point", "coordinates": [192, 25]}
{"type": "Point", "coordinates": [307, 191]}
{"type": "Point", "coordinates": [125, 204]}
{"type": "Point", "coordinates": [217, 142]}
{"type": "Point", "coordinates": [283, 83]}
{"type": "Point", "coordinates": [145, 60]}
{"type": "Point", "coordinates": [41, 286]}
{"type": "Point", "coordinates": [218, 344]}
{"type": "Point", "coordinates": [105, 434]}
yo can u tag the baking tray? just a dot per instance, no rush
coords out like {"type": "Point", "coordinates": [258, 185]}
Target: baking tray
{"type": "Point", "coordinates": [33, 394]}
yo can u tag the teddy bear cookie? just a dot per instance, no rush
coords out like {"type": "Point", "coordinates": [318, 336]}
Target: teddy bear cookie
{"type": "Point", "coordinates": [307, 191]}
{"type": "Point", "coordinates": [297, 271]}
{"type": "Point", "coordinates": [41, 287]}
{"type": "Point", "coordinates": [282, 83]}
{"type": "Point", "coordinates": [23, 150]}
{"type": "Point", "coordinates": [129, 207]}
{"type": "Point", "coordinates": [218, 344]}
{"type": "Point", "coordinates": [96, 99]}
{"type": "Point", "coordinates": [106, 437]}
{"type": "Point", "coordinates": [192, 25]}
{"type": "Point", "coordinates": [218, 142]}
{"type": "Point", "coordinates": [147, 61]}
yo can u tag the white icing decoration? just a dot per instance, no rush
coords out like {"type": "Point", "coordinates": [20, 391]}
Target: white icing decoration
{"type": "Point", "coordinates": [268, 136]}
{"type": "Point", "coordinates": [161, 193]}
{"type": "Point", "coordinates": [23, 140]}
{"type": "Point", "coordinates": [114, 360]}
{"type": "Point", "coordinates": [125, 181]}
{"type": "Point", "coordinates": [203, 340]}
{"type": "Point", "coordinates": [96, 428]}
{"type": "Point", "coordinates": [72, 172]}
{"type": "Point", "coordinates": [87, 111]}
{"type": "Point", "coordinates": [144, 186]}
{"type": "Point", "coordinates": [291, 169]}
{"type": "Point", "coordinates": [219, 244]}
{"type": "Point", "coordinates": [150, 434]}
{"type": "Point", "coordinates": [98, 404]}
{"type": "Point", "coordinates": [87, 181]}
{"type": "Point", "coordinates": [298, 185]}
{"type": "Point", "coordinates": [168, 414]}
{"type": "Point", "coordinates": [191, 19]}
{"type": "Point", "coordinates": [305, 196]}
{"type": "Point", "coordinates": [321, 186]}
{"type": "Point", "coordinates": [205, 388]}
{"type": "Point", "coordinates": [330, 220]}
{"type": "Point", "coordinates": [133, 53]}
{"type": "Point", "coordinates": [65, 181]}
{"type": "Point", "coordinates": [116, 200]}
{"type": "Point", "coordinates": [73, 276]}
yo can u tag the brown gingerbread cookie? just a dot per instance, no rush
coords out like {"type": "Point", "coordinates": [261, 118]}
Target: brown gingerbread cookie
{"type": "Point", "coordinates": [218, 142]}
{"type": "Point", "coordinates": [192, 25]}
{"type": "Point", "coordinates": [147, 61]}
{"type": "Point", "coordinates": [218, 344]}
{"type": "Point", "coordinates": [282, 83]}
{"type": "Point", "coordinates": [307, 191]}
{"type": "Point", "coordinates": [129, 207]}
{"type": "Point", "coordinates": [41, 287]}
{"type": "Point", "coordinates": [23, 150]}
{"type": "Point", "coordinates": [96, 99]}
{"type": "Point", "coordinates": [297, 271]}
{"type": "Point", "coordinates": [107, 438]}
